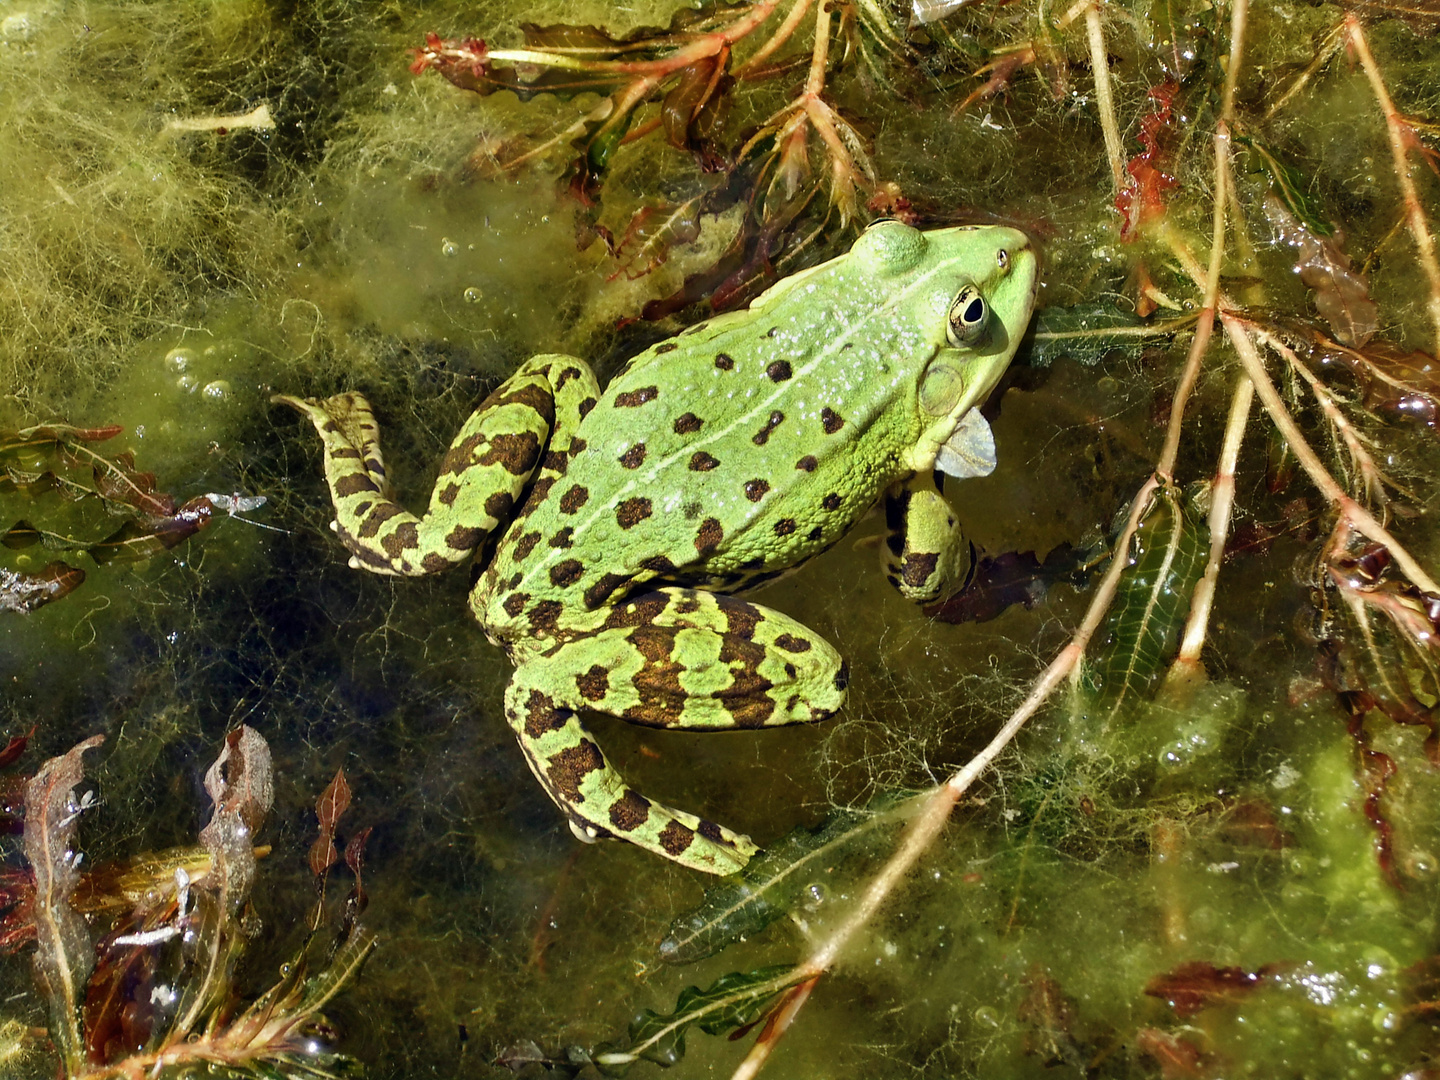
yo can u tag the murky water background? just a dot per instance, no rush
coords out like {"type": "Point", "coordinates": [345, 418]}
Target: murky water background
{"type": "Point", "coordinates": [352, 246]}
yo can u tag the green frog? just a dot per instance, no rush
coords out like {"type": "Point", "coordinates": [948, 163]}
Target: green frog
{"type": "Point", "coordinates": [620, 525]}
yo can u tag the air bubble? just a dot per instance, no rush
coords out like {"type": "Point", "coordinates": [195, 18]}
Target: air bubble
{"type": "Point", "coordinates": [218, 390]}
{"type": "Point", "coordinates": [987, 1016]}
{"type": "Point", "coordinates": [448, 247]}
{"type": "Point", "coordinates": [472, 295]}
{"type": "Point", "coordinates": [178, 360]}
{"type": "Point", "coordinates": [187, 383]}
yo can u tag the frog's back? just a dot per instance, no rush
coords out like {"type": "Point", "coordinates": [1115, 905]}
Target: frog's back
{"type": "Point", "coordinates": [726, 454]}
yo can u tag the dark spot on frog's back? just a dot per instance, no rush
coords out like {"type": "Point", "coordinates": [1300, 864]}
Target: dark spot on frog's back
{"type": "Point", "coordinates": [353, 484]}
{"type": "Point", "coordinates": [574, 499]}
{"type": "Point", "coordinates": [566, 572]}
{"type": "Point", "coordinates": [563, 538]}
{"type": "Point", "coordinates": [463, 538]}
{"type": "Point", "coordinates": [709, 830]}
{"type": "Point", "coordinates": [676, 838]}
{"type": "Point", "coordinates": [631, 398]}
{"type": "Point", "coordinates": [755, 489]}
{"type": "Point", "coordinates": [541, 715]}
{"type": "Point", "coordinates": [709, 536]}
{"type": "Point", "coordinates": [634, 457]}
{"type": "Point", "coordinates": [831, 501]}
{"type": "Point", "coordinates": [593, 684]}
{"type": "Point", "coordinates": [434, 563]}
{"type": "Point", "coordinates": [808, 463]}
{"type": "Point", "coordinates": [525, 545]}
{"type": "Point", "coordinates": [568, 768]}
{"type": "Point", "coordinates": [515, 604]}
{"type": "Point", "coordinates": [376, 518]}
{"type": "Point", "coordinates": [700, 461]}
{"type": "Point", "coordinates": [688, 424]}
{"type": "Point", "coordinates": [779, 370]}
{"type": "Point", "coordinates": [725, 362]}
{"type": "Point", "coordinates": [516, 453]}
{"type": "Point", "coordinates": [631, 512]}
{"type": "Point", "coordinates": [793, 644]}
{"type": "Point", "coordinates": [600, 592]}
{"type": "Point", "coordinates": [632, 811]}
{"type": "Point", "coordinates": [500, 505]}
{"type": "Point", "coordinates": [664, 347]}
{"type": "Point", "coordinates": [918, 567]}
{"type": "Point", "coordinates": [831, 421]}
{"type": "Point", "coordinates": [761, 437]}
{"type": "Point", "coordinates": [784, 527]}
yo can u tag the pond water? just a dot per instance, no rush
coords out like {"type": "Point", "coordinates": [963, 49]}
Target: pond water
{"type": "Point", "coordinates": [1238, 876]}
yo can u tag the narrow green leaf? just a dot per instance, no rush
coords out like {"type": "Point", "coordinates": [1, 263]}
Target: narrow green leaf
{"type": "Point", "coordinates": [1289, 184]}
{"type": "Point", "coordinates": [1165, 561]}
{"type": "Point", "coordinates": [770, 884]}
{"type": "Point", "coordinates": [733, 1001]}
{"type": "Point", "coordinates": [1087, 333]}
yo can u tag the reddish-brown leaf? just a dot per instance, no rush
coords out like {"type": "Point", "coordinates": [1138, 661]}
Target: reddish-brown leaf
{"type": "Point", "coordinates": [15, 747]}
{"type": "Point", "coordinates": [1342, 295]}
{"type": "Point", "coordinates": [23, 592]}
{"type": "Point", "coordinates": [1198, 984]}
{"type": "Point", "coordinates": [333, 802]}
{"type": "Point", "coordinates": [63, 956]}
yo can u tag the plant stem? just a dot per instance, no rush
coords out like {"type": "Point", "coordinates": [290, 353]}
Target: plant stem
{"type": "Point", "coordinates": [1104, 101]}
{"type": "Point", "coordinates": [1396, 128]}
{"type": "Point", "coordinates": [939, 801]}
{"type": "Point", "coordinates": [1360, 519]}
{"type": "Point", "coordinates": [1187, 669]}
{"type": "Point", "coordinates": [782, 34]}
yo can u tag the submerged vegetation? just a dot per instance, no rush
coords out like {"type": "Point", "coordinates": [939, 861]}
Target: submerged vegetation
{"type": "Point", "coordinates": [1153, 796]}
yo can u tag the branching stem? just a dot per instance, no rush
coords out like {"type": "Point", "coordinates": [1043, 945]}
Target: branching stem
{"type": "Point", "coordinates": [939, 801]}
{"type": "Point", "coordinates": [1359, 519]}
{"type": "Point", "coordinates": [1396, 127]}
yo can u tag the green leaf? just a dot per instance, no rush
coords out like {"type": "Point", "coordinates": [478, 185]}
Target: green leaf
{"type": "Point", "coordinates": [1087, 333]}
{"type": "Point", "coordinates": [1289, 184]}
{"type": "Point", "coordinates": [733, 1001]}
{"type": "Point", "coordinates": [1165, 560]}
{"type": "Point", "coordinates": [770, 884]}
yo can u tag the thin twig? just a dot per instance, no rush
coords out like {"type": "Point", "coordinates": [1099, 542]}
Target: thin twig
{"type": "Point", "coordinates": [1238, 15]}
{"type": "Point", "coordinates": [939, 801]}
{"type": "Point", "coordinates": [1360, 459]}
{"type": "Point", "coordinates": [1187, 669]}
{"type": "Point", "coordinates": [782, 34]}
{"type": "Point", "coordinates": [1396, 127]}
{"type": "Point", "coordinates": [1104, 100]}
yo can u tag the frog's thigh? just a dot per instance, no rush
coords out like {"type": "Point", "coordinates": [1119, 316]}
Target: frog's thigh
{"type": "Point", "coordinates": [574, 771]}
{"type": "Point", "coordinates": [926, 556]}
{"type": "Point", "coordinates": [691, 659]}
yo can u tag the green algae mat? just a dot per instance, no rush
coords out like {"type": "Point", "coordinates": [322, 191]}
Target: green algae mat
{"type": "Point", "coordinates": [1151, 788]}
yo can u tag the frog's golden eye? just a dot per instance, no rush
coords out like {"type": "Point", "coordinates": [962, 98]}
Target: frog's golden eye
{"type": "Point", "coordinates": [969, 318]}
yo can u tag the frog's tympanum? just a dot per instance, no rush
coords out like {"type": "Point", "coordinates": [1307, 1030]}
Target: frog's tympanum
{"type": "Point", "coordinates": [622, 523]}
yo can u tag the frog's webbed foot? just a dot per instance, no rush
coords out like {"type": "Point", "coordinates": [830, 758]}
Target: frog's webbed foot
{"type": "Point", "coordinates": [481, 478]}
{"type": "Point", "coordinates": [926, 556]}
{"type": "Point", "coordinates": [675, 658]}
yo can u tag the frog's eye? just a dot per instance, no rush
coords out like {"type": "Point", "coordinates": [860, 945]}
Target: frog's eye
{"type": "Point", "coordinates": [968, 319]}
{"type": "Point", "coordinates": [1002, 260]}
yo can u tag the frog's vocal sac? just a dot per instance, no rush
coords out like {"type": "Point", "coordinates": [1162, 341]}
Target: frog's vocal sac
{"type": "Point", "coordinates": [624, 522]}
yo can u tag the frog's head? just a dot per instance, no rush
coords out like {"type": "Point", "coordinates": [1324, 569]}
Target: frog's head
{"type": "Point", "coordinates": [970, 291]}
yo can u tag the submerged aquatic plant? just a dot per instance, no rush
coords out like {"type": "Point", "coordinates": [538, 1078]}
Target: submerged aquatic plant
{"type": "Point", "coordinates": [156, 993]}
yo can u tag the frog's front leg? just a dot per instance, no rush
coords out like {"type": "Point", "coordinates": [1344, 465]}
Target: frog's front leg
{"type": "Point", "coordinates": [673, 658]}
{"type": "Point", "coordinates": [926, 556]}
{"type": "Point", "coordinates": [481, 477]}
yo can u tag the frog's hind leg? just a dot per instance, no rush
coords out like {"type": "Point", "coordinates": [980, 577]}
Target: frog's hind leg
{"type": "Point", "coordinates": [482, 476]}
{"type": "Point", "coordinates": [926, 556]}
{"type": "Point", "coordinates": [676, 658]}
